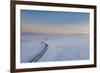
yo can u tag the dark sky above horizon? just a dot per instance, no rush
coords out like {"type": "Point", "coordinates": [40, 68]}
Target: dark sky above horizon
{"type": "Point", "coordinates": [53, 17]}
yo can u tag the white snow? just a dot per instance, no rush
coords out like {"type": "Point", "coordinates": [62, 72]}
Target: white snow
{"type": "Point", "coordinates": [59, 48]}
{"type": "Point", "coordinates": [29, 50]}
{"type": "Point", "coordinates": [66, 49]}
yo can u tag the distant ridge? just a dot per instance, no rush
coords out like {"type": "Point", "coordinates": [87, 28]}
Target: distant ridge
{"type": "Point", "coordinates": [35, 33]}
{"type": "Point", "coordinates": [30, 33]}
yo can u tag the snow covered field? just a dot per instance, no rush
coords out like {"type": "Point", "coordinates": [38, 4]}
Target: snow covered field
{"type": "Point", "coordinates": [60, 47]}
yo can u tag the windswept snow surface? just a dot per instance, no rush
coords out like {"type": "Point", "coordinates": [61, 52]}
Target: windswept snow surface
{"type": "Point", "coordinates": [60, 47]}
{"type": "Point", "coordinates": [30, 48]}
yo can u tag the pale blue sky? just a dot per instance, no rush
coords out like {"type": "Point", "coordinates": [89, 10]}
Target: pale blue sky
{"type": "Point", "coordinates": [53, 17]}
{"type": "Point", "coordinates": [54, 22]}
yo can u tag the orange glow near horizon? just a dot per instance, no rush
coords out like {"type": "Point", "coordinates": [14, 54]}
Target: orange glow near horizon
{"type": "Point", "coordinates": [55, 29]}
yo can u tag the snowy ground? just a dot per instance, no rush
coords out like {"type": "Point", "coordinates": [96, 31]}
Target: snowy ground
{"type": "Point", "coordinates": [60, 48]}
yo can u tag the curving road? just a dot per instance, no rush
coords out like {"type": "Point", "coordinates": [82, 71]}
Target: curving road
{"type": "Point", "coordinates": [38, 56]}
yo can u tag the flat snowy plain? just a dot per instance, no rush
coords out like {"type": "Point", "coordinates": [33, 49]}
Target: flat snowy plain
{"type": "Point", "coordinates": [60, 47]}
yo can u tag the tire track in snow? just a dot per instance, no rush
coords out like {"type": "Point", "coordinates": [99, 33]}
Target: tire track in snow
{"type": "Point", "coordinates": [37, 57]}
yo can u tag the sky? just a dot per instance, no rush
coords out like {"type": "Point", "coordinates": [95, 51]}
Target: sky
{"type": "Point", "coordinates": [53, 22]}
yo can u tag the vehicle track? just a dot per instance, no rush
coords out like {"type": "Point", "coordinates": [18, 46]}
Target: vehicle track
{"type": "Point", "coordinates": [38, 56]}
